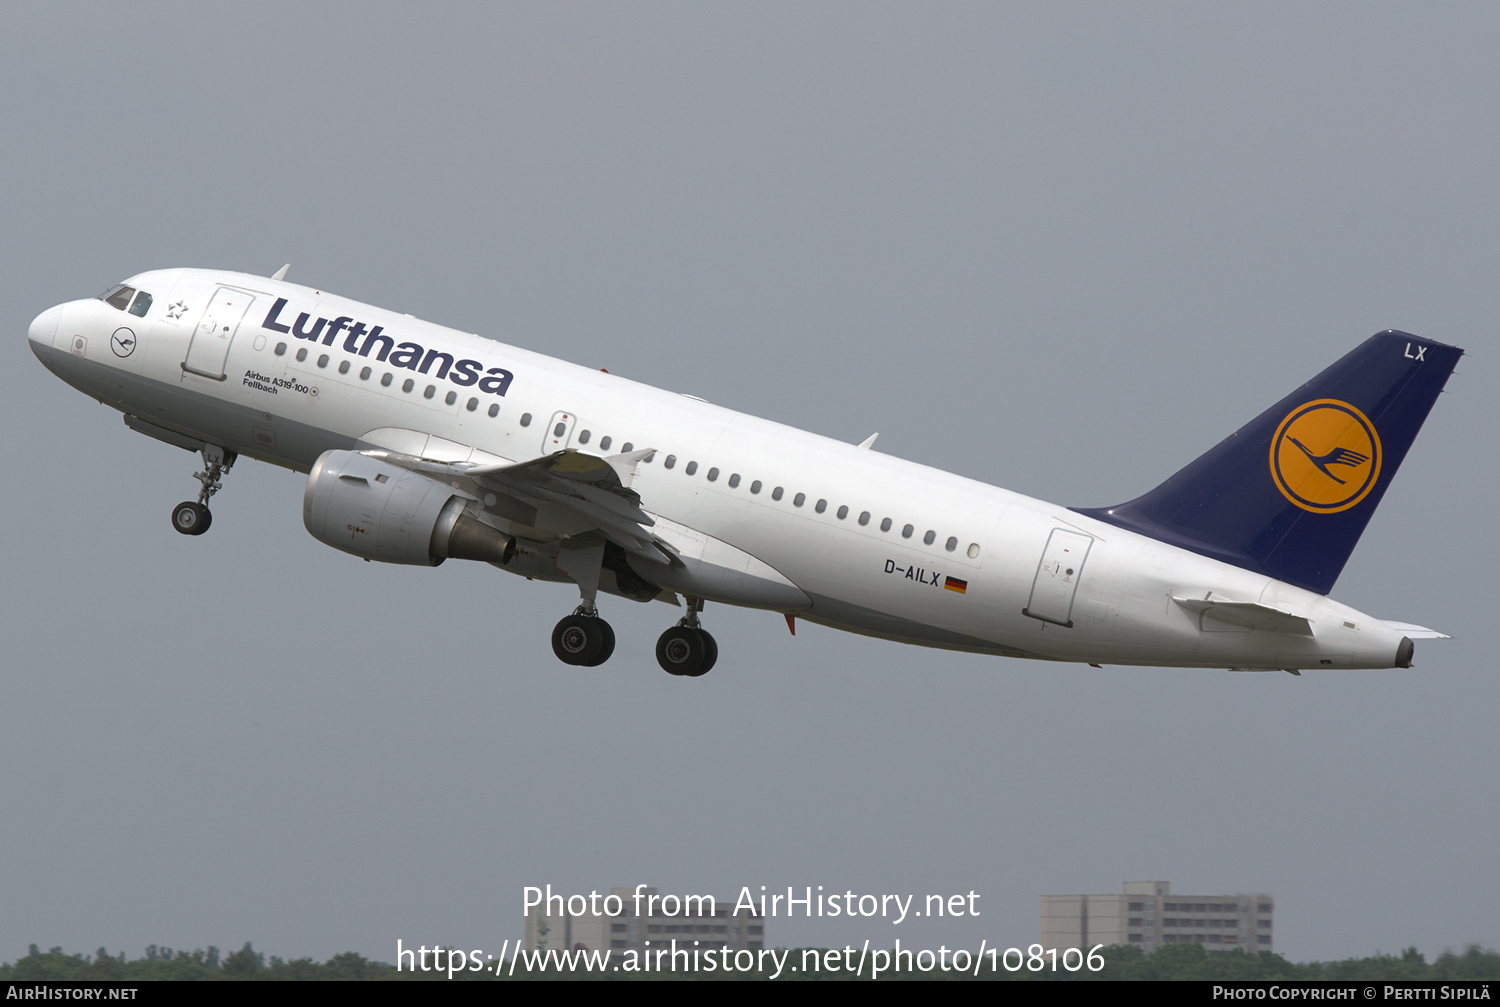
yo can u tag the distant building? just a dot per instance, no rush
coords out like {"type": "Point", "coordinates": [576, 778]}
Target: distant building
{"type": "Point", "coordinates": [1148, 915]}
{"type": "Point", "coordinates": [718, 926]}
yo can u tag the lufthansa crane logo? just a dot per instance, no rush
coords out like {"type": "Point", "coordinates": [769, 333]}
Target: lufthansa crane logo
{"type": "Point", "coordinates": [1325, 456]}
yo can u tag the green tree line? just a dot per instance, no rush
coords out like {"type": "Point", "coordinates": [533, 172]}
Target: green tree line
{"type": "Point", "coordinates": [1123, 962]}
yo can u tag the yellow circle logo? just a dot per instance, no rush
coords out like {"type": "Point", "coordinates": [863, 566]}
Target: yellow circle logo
{"type": "Point", "coordinates": [1325, 456]}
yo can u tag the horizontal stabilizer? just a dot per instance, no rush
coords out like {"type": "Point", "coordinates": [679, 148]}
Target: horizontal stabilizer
{"type": "Point", "coordinates": [1413, 632]}
{"type": "Point", "coordinates": [1249, 614]}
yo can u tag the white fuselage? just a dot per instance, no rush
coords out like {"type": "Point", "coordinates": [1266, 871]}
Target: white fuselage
{"type": "Point", "coordinates": [868, 575]}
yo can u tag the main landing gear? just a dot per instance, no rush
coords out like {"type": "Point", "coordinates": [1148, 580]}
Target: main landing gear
{"type": "Point", "coordinates": [583, 638]}
{"type": "Point", "coordinates": [191, 518]}
{"type": "Point", "coordinates": [687, 649]}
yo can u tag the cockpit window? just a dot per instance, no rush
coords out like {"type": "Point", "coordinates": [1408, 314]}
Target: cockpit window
{"type": "Point", "coordinates": [142, 305]}
{"type": "Point", "coordinates": [118, 296]}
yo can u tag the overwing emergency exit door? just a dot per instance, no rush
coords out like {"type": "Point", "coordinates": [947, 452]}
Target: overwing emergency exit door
{"type": "Point", "coordinates": [558, 433]}
{"type": "Point", "coordinates": [210, 346]}
{"type": "Point", "coordinates": [1057, 577]}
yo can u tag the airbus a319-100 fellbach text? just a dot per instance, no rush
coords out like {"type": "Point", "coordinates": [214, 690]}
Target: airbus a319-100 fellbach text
{"type": "Point", "coordinates": [423, 444]}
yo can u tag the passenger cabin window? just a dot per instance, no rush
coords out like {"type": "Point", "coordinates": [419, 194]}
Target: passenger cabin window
{"type": "Point", "coordinates": [118, 296]}
{"type": "Point", "coordinates": [141, 305]}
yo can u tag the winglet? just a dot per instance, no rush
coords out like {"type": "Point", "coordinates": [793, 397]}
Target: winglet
{"type": "Point", "coordinates": [869, 441]}
{"type": "Point", "coordinates": [624, 465]}
{"type": "Point", "coordinates": [791, 622]}
{"type": "Point", "coordinates": [280, 274]}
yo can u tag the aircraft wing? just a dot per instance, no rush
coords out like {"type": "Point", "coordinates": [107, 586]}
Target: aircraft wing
{"type": "Point", "coordinates": [556, 496]}
{"type": "Point", "coordinates": [593, 488]}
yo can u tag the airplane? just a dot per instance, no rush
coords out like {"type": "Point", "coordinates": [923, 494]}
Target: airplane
{"type": "Point", "coordinates": [423, 444]}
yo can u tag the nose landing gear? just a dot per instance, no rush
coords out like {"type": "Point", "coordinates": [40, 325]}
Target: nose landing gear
{"type": "Point", "coordinates": [191, 518]}
{"type": "Point", "coordinates": [687, 649]}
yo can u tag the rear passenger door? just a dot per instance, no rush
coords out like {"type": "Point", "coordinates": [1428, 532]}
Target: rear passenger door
{"type": "Point", "coordinates": [1057, 577]}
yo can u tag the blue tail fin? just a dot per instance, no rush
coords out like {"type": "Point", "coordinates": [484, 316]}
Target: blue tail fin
{"type": "Point", "coordinates": [1289, 494]}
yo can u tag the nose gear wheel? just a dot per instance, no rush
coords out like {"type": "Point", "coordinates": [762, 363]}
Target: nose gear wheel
{"type": "Point", "coordinates": [191, 518]}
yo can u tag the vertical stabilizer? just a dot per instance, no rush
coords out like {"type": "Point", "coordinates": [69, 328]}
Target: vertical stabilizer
{"type": "Point", "coordinates": [1290, 493]}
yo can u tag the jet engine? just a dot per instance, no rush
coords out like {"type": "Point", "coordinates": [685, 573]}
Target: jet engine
{"type": "Point", "coordinates": [385, 513]}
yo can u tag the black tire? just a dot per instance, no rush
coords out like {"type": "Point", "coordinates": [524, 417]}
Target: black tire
{"type": "Point", "coordinates": [577, 640]}
{"type": "Point", "coordinates": [680, 651]}
{"type": "Point", "coordinates": [607, 641]}
{"type": "Point", "coordinates": [710, 653]}
{"type": "Point", "coordinates": [191, 518]}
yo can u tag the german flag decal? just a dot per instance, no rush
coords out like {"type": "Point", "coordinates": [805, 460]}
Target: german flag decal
{"type": "Point", "coordinates": [954, 584]}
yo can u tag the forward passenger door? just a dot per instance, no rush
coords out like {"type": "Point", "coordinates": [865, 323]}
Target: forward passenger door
{"type": "Point", "coordinates": [210, 343]}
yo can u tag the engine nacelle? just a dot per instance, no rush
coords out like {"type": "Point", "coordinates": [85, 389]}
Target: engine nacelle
{"type": "Point", "coordinates": [385, 513]}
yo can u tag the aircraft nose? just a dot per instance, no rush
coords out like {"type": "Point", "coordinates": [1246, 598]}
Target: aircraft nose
{"type": "Point", "coordinates": [44, 326]}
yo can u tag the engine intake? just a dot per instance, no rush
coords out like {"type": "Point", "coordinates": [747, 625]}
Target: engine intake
{"type": "Point", "coordinates": [381, 512]}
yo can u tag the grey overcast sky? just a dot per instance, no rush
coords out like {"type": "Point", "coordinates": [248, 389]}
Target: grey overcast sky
{"type": "Point", "coordinates": [1061, 248]}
